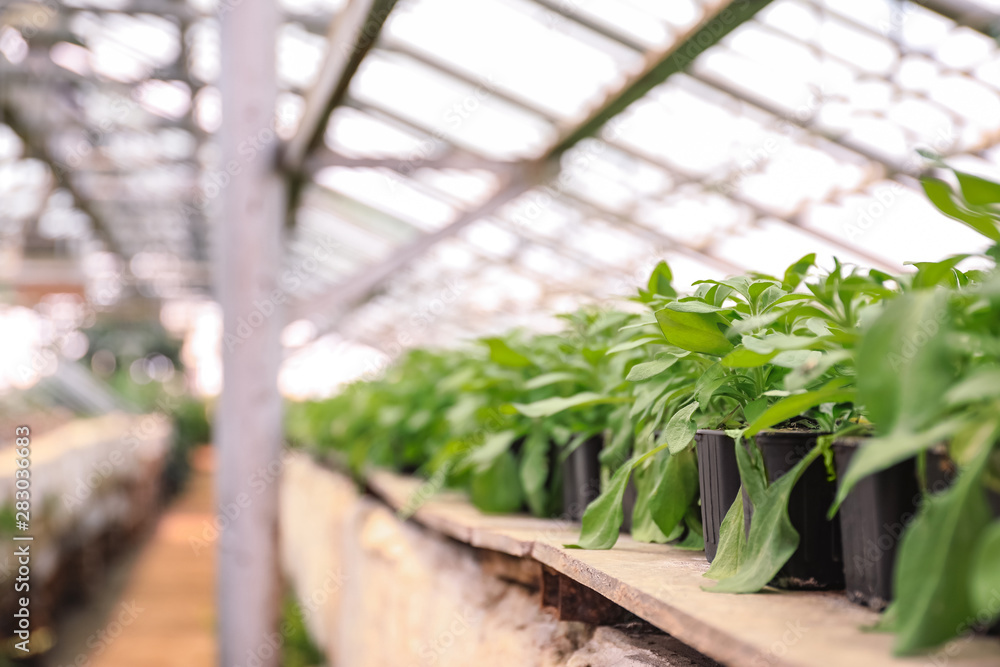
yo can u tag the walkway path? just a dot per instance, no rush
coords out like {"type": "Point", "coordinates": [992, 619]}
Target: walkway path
{"type": "Point", "coordinates": [164, 614]}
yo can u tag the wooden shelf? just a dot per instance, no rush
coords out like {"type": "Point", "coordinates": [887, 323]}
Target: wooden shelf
{"type": "Point", "coordinates": [662, 585]}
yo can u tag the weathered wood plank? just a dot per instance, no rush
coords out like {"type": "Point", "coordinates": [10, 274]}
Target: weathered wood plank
{"type": "Point", "coordinates": [663, 585]}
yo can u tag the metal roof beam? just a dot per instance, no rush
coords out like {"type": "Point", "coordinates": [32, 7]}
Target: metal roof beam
{"type": "Point", "coordinates": [351, 36]}
{"type": "Point", "coordinates": [762, 212]}
{"type": "Point", "coordinates": [36, 147]}
{"type": "Point", "coordinates": [966, 13]}
{"type": "Point", "coordinates": [454, 159]}
{"type": "Point", "coordinates": [715, 25]}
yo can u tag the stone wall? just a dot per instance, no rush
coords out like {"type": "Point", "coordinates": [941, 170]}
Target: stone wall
{"type": "Point", "coordinates": [379, 591]}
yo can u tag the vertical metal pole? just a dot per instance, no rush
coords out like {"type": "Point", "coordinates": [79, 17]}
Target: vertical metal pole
{"type": "Point", "coordinates": [248, 247]}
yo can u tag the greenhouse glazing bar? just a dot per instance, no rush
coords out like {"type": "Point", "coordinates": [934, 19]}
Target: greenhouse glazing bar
{"type": "Point", "coordinates": [728, 16]}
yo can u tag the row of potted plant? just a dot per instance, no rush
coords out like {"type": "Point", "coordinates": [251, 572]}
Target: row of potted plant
{"type": "Point", "coordinates": [739, 419]}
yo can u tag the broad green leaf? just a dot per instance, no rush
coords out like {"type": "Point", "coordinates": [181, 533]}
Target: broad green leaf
{"type": "Point", "coordinates": [984, 575]}
{"type": "Point", "coordinates": [694, 540]}
{"type": "Point", "coordinates": [695, 332]}
{"type": "Point", "coordinates": [797, 271]}
{"type": "Point", "coordinates": [674, 491]}
{"type": "Point", "coordinates": [535, 471]}
{"type": "Point", "coordinates": [648, 369]}
{"type": "Point", "coordinates": [779, 342]}
{"type": "Point", "coordinates": [495, 444]}
{"type": "Point", "coordinates": [603, 517]}
{"type": "Point", "coordinates": [693, 306]}
{"type": "Point", "coordinates": [503, 354]}
{"type": "Point", "coordinates": [644, 529]}
{"type": "Point", "coordinates": [983, 383]}
{"type": "Point", "coordinates": [732, 543]}
{"type": "Point", "coordinates": [547, 379]}
{"type": "Point", "coordinates": [941, 195]}
{"type": "Point", "coordinates": [796, 358]}
{"type": "Point", "coordinates": [772, 539]}
{"type": "Point", "coordinates": [754, 409]}
{"type": "Point", "coordinates": [906, 362]}
{"type": "Point", "coordinates": [814, 368]}
{"type": "Point", "coordinates": [631, 344]}
{"type": "Point", "coordinates": [796, 404]}
{"type": "Point", "coordinates": [741, 357]}
{"type": "Point", "coordinates": [550, 406]}
{"type": "Point", "coordinates": [978, 191]}
{"type": "Point", "coordinates": [930, 274]}
{"type": "Point", "coordinates": [497, 489]}
{"type": "Point", "coordinates": [680, 429]}
{"type": "Point", "coordinates": [661, 279]}
{"type": "Point", "coordinates": [933, 601]}
{"type": "Point", "coordinates": [643, 320]}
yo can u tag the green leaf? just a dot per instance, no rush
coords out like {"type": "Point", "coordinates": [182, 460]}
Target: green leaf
{"type": "Point", "coordinates": [906, 362]}
{"type": "Point", "coordinates": [981, 384]}
{"type": "Point", "coordinates": [603, 517]}
{"type": "Point", "coordinates": [797, 271]}
{"type": "Point", "coordinates": [535, 471]}
{"type": "Point", "coordinates": [660, 280]}
{"type": "Point", "coordinates": [930, 274]}
{"type": "Point", "coordinates": [675, 490]}
{"type": "Point", "coordinates": [796, 404]}
{"type": "Point", "coordinates": [941, 195]}
{"type": "Point", "coordinates": [550, 406]}
{"type": "Point", "coordinates": [978, 191]}
{"type": "Point", "coordinates": [984, 575]}
{"type": "Point", "coordinates": [648, 369]}
{"type": "Point", "coordinates": [631, 344]}
{"type": "Point", "coordinates": [547, 379]}
{"type": "Point", "coordinates": [741, 357]}
{"type": "Point", "coordinates": [694, 540]}
{"type": "Point", "coordinates": [732, 542]}
{"type": "Point", "coordinates": [680, 429]}
{"type": "Point", "coordinates": [933, 601]}
{"type": "Point", "coordinates": [493, 446]}
{"type": "Point", "coordinates": [772, 539]}
{"type": "Point", "coordinates": [644, 529]}
{"type": "Point", "coordinates": [693, 306]}
{"type": "Point", "coordinates": [497, 489]}
{"type": "Point", "coordinates": [695, 332]}
{"type": "Point", "coordinates": [754, 409]}
{"type": "Point", "coordinates": [503, 354]}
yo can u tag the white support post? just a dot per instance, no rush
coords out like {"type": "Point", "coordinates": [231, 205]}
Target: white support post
{"type": "Point", "coordinates": [248, 251]}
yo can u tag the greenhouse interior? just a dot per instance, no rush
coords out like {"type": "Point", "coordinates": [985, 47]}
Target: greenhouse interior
{"type": "Point", "coordinates": [579, 333]}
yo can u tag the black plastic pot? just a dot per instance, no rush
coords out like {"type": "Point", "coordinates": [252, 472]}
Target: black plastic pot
{"type": "Point", "coordinates": [628, 504]}
{"type": "Point", "coordinates": [582, 482]}
{"type": "Point", "coordinates": [719, 482]}
{"type": "Point", "coordinates": [817, 564]}
{"type": "Point", "coordinates": [581, 477]}
{"type": "Point", "coordinates": [872, 519]}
